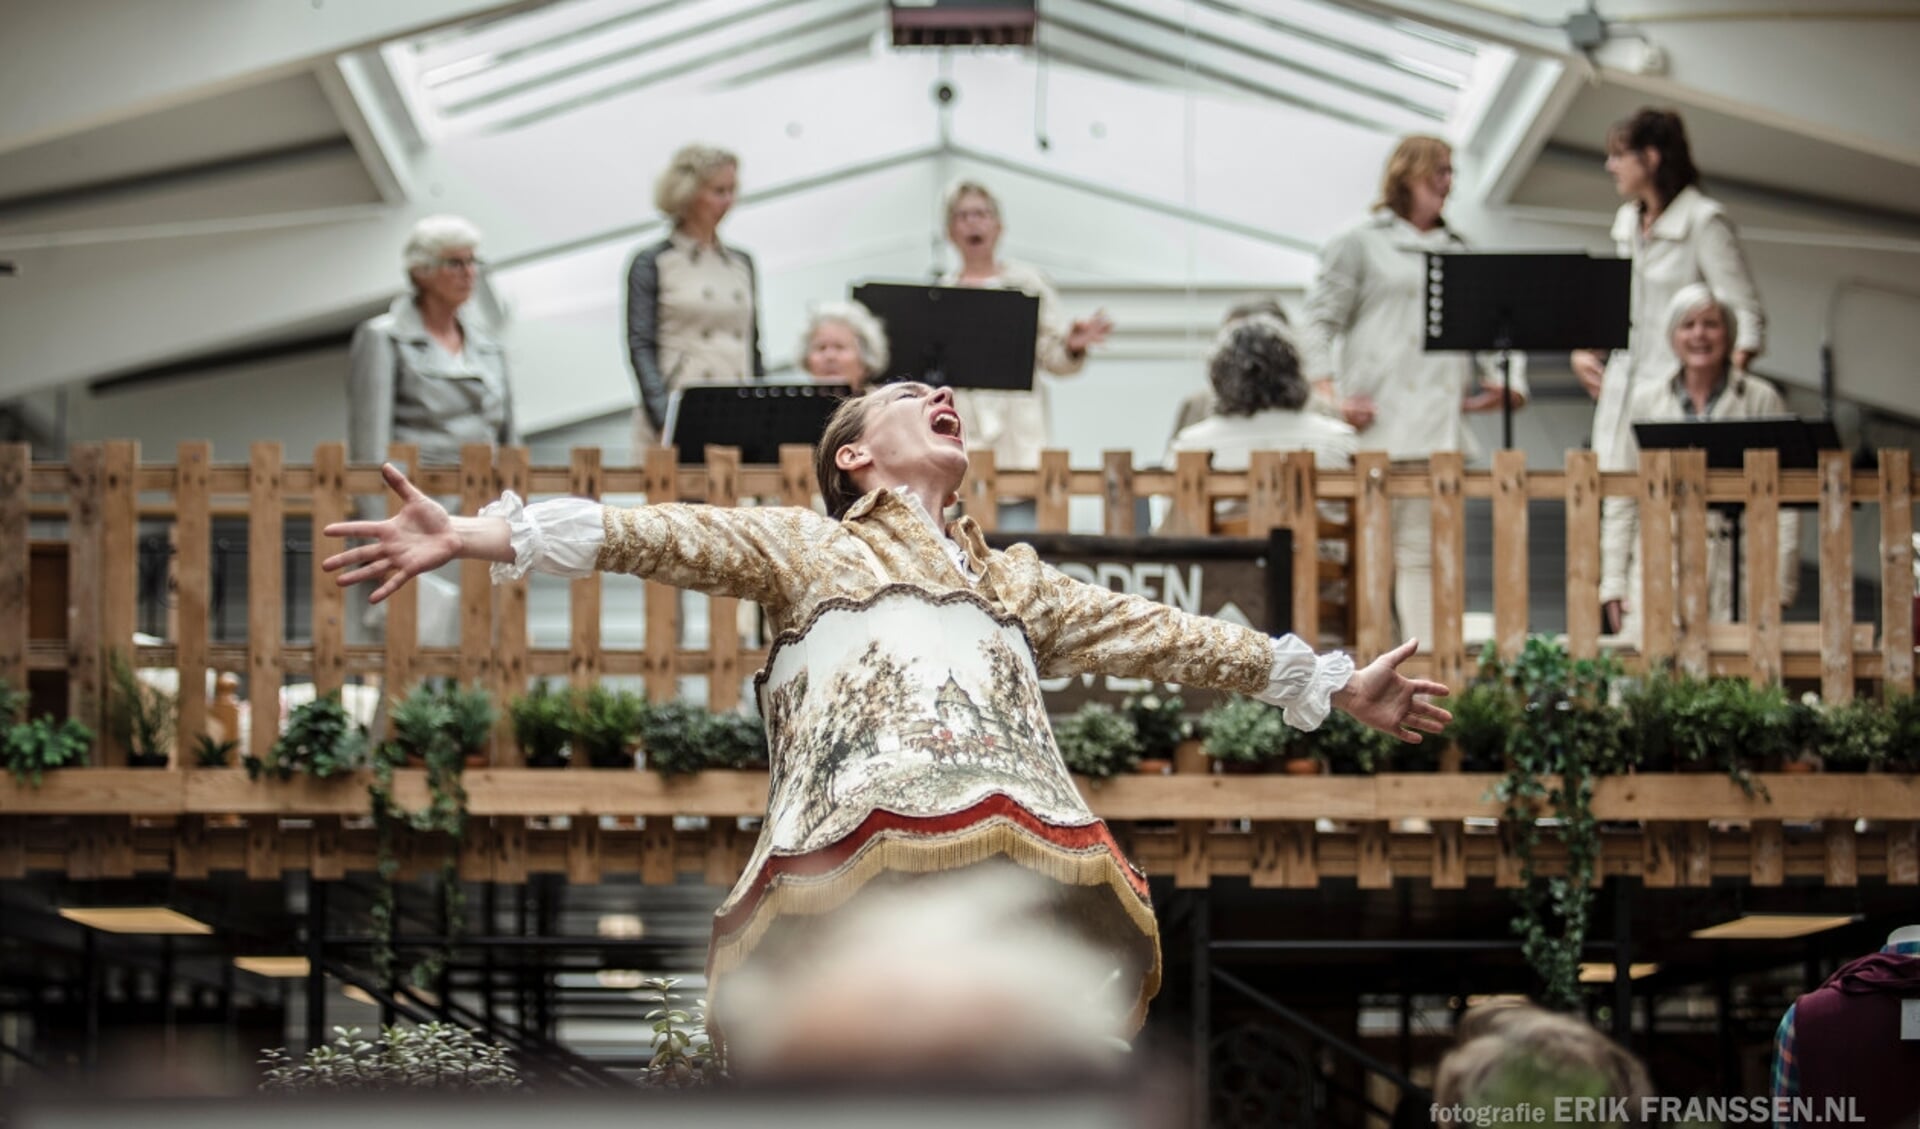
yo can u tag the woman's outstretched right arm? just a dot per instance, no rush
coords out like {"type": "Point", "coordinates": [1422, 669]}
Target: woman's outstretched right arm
{"type": "Point", "coordinates": [421, 537]}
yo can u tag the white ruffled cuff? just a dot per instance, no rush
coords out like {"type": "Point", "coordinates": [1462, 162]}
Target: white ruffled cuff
{"type": "Point", "coordinates": [1303, 683]}
{"type": "Point", "coordinates": [560, 536]}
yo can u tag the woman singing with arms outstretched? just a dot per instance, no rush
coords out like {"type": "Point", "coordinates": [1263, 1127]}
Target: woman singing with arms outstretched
{"type": "Point", "coordinates": [902, 693]}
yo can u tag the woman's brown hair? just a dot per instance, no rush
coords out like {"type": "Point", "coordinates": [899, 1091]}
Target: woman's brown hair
{"type": "Point", "coordinates": [847, 423]}
{"type": "Point", "coordinates": [1416, 158]}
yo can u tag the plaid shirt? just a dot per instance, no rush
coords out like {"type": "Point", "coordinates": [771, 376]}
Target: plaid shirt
{"type": "Point", "coordinates": [1786, 1067]}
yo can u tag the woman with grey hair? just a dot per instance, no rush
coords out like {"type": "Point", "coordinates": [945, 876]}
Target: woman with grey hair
{"type": "Point", "coordinates": [691, 300]}
{"type": "Point", "coordinates": [424, 372]}
{"type": "Point", "coordinates": [1261, 403]}
{"type": "Point", "coordinates": [844, 343]}
{"type": "Point", "coordinates": [1707, 385]}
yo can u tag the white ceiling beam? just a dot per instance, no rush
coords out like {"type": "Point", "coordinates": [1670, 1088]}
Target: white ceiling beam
{"type": "Point", "coordinates": [1520, 119]}
{"type": "Point", "coordinates": [67, 67]}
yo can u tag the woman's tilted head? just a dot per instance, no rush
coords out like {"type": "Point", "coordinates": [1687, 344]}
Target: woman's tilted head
{"type": "Point", "coordinates": [1255, 367]}
{"type": "Point", "coordinates": [901, 434]}
{"type": "Point", "coordinates": [1650, 150]}
{"type": "Point", "coordinates": [698, 183]}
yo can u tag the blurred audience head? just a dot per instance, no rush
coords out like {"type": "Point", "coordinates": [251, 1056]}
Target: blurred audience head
{"type": "Point", "coordinates": [1701, 328]}
{"type": "Point", "coordinates": [439, 258]}
{"type": "Point", "coordinates": [1255, 367]}
{"type": "Point", "coordinates": [845, 342]}
{"type": "Point", "coordinates": [959, 975]}
{"type": "Point", "coordinates": [698, 186]}
{"type": "Point", "coordinates": [1649, 150]}
{"type": "Point", "coordinates": [1267, 307]}
{"type": "Point", "coordinates": [1515, 1053]}
{"type": "Point", "coordinates": [1419, 177]}
{"type": "Point", "coordinates": [973, 218]}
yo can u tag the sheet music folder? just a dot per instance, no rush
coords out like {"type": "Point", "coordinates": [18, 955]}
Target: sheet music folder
{"type": "Point", "coordinates": [757, 417]}
{"type": "Point", "coordinates": [1726, 441]}
{"type": "Point", "coordinates": [957, 336]}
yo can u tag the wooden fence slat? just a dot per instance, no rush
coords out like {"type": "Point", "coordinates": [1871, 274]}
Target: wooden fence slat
{"type": "Point", "coordinates": [1767, 852]}
{"type": "Point", "coordinates": [1449, 519]}
{"type": "Point", "coordinates": [191, 857]}
{"type": "Point", "coordinates": [476, 852]}
{"type": "Point", "coordinates": [797, 484]}
{"type": "Point", "coordinates": [1192, 513]}
{"type": "Point", "coordinates": [1583, 554]}
{"type": "Point", "coordinates": [1051, 507]}
{"type": "Point", "coordinates": [1449, 855]}
{"type": "Point", "coordinates": [1690, 614]}
{"type": "Point", "coordinates": [1304, 518]}
{"type": "Point", "coordinates": [657, 846]}
{"type": "Point", "coordinates": [1268, 869]}
{"type": "Point", "coordinates": [193, 579]}
{"type": "Point", "coordinates": [113, 835]}
{"type": "Point", "coordinates": [510, 615]}
{"type": "Point", "coordinates": [1896, 570]}
{"type": "Point", "coordinates": [1376, 856]}
{"type": "Point", "coordinates": [1836, 576]}
{"type": "Point", "coordinates": [983, 490]}
{"type": "Point", "coordinates": [1373, 550]}
{"type": "Point", "coordinates": [326, 861]}
{"type": "Point", "coordinates": [13, 848]}
{"type": "Point", "coordinates": [1903, 853]}
{"type": "Point", "coordinates": [476, 582]}
{"type": "Point", "coordinates": [510, 853]}
{"type": "Point", "coordinates": [1510, 580]}
{"type": "Point", "coordinates": [583, 850]}
{"type": "Point", "coordinates": [263, 846]}
{"type": "Point", "coordinates": [723, 612]}
{"type": "Point", "coordinates": [1192, 868]}
{"type": "Point", "coordinates": [83, 587]}
{"type": "Point", "coordinates": [329, 599]}
{"type": "Point", "coordinates": [583, 595]}
{"type": "Point", "coordinates": [266, 631]}
{"type": "Point", "coordinates": [663, 601]}
{"type": "Point", "coordinates": [119, 564]}
{"type": "Point", "coordinates": [1760, 534]}
{"type": "Point", "coordinates": [1661, 854]}
{"type": "Point", "coordinates": [1842, 848]}
{"type": "Point", "coordinates": [1656, 554]}
{"type": "Point", "coordinates": [1116, 493]}
{"type": "Point", "coordinates": [403, 607]}
{"type": "Point", "coordinates": [721, 851]}
{"type": "Point", "coordinates": [1266, 492]}
{"type": "Point", "coordinates": [16, 460]}
{"type": "Point", "coordinates": [1697, 864]}
{"type": "Point", "coordinates": [1507, 865]}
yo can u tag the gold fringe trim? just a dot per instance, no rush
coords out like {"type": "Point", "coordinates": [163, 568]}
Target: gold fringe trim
{"type": "Point", "coordinates": [916, 853]}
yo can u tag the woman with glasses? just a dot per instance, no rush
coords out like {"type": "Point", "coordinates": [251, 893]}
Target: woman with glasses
{"type": "Point", "coordinates": [425, 372]}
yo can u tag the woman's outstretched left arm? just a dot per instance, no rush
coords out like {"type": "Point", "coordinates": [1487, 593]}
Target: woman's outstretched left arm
{"type": "Point", "coordinates": [421, 537]}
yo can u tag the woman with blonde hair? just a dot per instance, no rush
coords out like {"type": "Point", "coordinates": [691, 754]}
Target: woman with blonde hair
{"type": "Point", "coordinates": [691, 300]}
{"type": "Point", "coordinates": [844, 343]}
{"type": "Point", "coordinates": [1363, 337]}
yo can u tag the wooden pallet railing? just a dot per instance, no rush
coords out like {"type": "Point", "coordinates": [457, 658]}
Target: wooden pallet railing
{"type": "Point", "coordinates": [104, 491]}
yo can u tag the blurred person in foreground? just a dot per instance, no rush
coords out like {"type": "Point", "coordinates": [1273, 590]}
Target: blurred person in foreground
{"type": "Point", "coordinates": [1364, 341]}
{"type": "Point", "coordinates": [845, 343]}
{"type": "Point", "coordinates": [1513, 1053]}
{"type": "Point", "coordinates": [692, 301]}
{"type": "Point", "coordinates": [1704, 384]}
{"type": "Point", "coordinates": [902, 700]}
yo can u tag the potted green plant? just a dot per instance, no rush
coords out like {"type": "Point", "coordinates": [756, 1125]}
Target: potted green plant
{"type": "Point", "coordinates": [1097, 741]}
{"type": "Point", "coordinates": [540, 725]}
{"type": "Point", "coordinates": [435, 1057]}
{"type": "Point", "coordinates": [1244, 735]}
{"type": "Point", "coordinates": [140, 717]}
{"type": "Point", "coordinates": [320, 740]}
{"type": "Point", "coordinates": [1903, 720]}
{"type": "Point", "coordinates": [1854, 736]}
{"type": "Point", "coordinates": [1484, 716]}
{"type": "Point", "coordinates": [604, 724]}
{"type": "Point", "coordinates": [678, 738]}
{"type": "Point", "coordinates": [209, 752]}
{"type": "Point", "coordinates": [683, 1055]}
{"type": "Point", "coordinates": [1159, 725]}
{"type": "Point", "coordinates": [34, 747]}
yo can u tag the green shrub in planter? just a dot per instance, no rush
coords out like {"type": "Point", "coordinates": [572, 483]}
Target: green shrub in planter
{"type": "Point", "coordinates": [1097, 741]}
{"type": "Point", "coordinates": [442, 726]}
{"type": "Point", "coordinates": [1903, 723]}
{"type": "Point", "coordinates": [604, 725]}
{"type": "Point", "coordinates": [140, 718]}
{"type": "Point", "coordinates": [679, 738]}
{"type": "Point", "coordinates": [1855, 736]}
{"type": "Point", "coordinates": [13, 705]}
{"type": "Point", "coordinates": [320, 740]}
{"type": "Point", "coordinates": [1346, 747]}
{"type": "Point", "coordinates": [209, 753]}
{"type": "Point", "coordinates": [1484, 716]}
{"type": "Point", "coordinates": [540, 719]}
{"type": "Point", "coordinates": [1245, 731]}
{"type": "Point", "coordinates": [1159, 721]}
{"type": "Point", "coordinates": [33, 747]}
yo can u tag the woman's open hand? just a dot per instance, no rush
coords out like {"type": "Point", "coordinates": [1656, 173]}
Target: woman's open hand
{"type": "Point", "coordinates": [419, 538]}
{"type": "Point", "coordinates": [1379, 696]}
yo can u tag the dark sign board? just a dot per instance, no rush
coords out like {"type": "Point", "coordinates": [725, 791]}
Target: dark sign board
{"type": "Point", "coordinates": [1245, 580]}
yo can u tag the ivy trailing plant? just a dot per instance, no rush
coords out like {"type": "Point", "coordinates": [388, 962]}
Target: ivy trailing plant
{"type": "Point", "coordinates": [1097, 741]}
{"type": "Point", "coordinates": [1568, 733]}
{"type": "Point", "coordinates": [321, 740]}
{"type": "Point", "coordinates": [1245, 732]}
{"type": "Point", "coordinates": [140, 717]}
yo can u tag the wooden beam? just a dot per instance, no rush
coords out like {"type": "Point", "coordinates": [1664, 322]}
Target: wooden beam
{"type": "Point", "coordinates": [1656, 554]}
{"type": "Point", "coordinates": [1116, 493]}
{"type": "Point", "coordinates": [1690, 610]}
{"type": "Point", "coordinates": [403, 607]}
{"type": "Point", "coordinates": [476, 581]}
{"type": "Point", "coordinates": [1896, 570]}
{"type": "Point", "coordinates": [1510, 548]}
{"type": "Point", "coordinates": [583, 595]}
{"type": "Point", "coordinates": [1449, 539]}
{"type": "Point", "coordinates": [1051, 505]}
{"type": "Point", "coordinates": [329, 599]}
{"type": "Point", "coordinates": [15, 564]}
{"type": "Point", "coordinates": [266, 630]}
{"type": "Point", "coordinates": [663, 600]}
{"type": "Point", "coordinates": [510, 619]}
{"type": "Point", "coordinates": [84, 483]}
{"type": "Point", "coordinates": [1373, 550]}
{"type": "Point", "coordinates": [193, 579]}
{"type": "Point", "coordinates": [982, 490]}
{"type": "Point", "coordinates": [1760, 533]}
{"type": "Point", "coordinates": [1836, 576]}
{"type": "Point", "coordinates": [1583, 554]}
{"type": "Point", "coordinates": [723, 612]}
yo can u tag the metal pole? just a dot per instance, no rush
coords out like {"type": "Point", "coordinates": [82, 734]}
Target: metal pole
{"type": "Point", "coordinates": [1201, 927]}
{"type": "Point", "coordinates": [169, 1035]}
{"type": "Point", "coordinates": [488, 907]}
{"type": "Point", "coordinates": [316, 964]}
{"type": "Point", "coordinates": [1622, 963]}
{"type": "Point", "coordinates": [90, 974]}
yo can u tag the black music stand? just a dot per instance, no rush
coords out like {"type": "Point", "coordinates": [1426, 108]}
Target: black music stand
{"type": "Point", "coordinates": [957, 336]}
{"type": "Point", "coordinates": [1485, 301]}
{"type": "Point", "coordinates": [1727, 441]}
{"type": "Point", "coordinates": [758, 418]}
